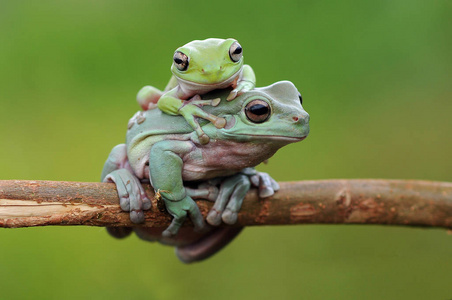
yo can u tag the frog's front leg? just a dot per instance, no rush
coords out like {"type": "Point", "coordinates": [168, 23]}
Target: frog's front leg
{"type": "Point", "coordinates": [165, 171]}
{"type": "Point", "coordinates": [171, 103]}
{"type": "Point", "coordinates": [245, 83]}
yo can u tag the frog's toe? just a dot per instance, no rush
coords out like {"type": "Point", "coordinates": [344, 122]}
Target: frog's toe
{"type": "Point", "coordinates": [219, 123]}
{"type": "Point", "coordinates": [229, 217]}
{"type": "Point", "coordinates": [137, 216]}
{"type": "Point", "coordinates": [204, 139]}
{"type": "Point", "coordinates": [232, 95]}
{"type": "Point", "coordinates": [146, 204]}
{"type": "Point", "coordinates": [214, 217]}
{"type": "Point", "coordinates": [216, 101]}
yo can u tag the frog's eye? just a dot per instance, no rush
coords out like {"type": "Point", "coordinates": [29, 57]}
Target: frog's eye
{"type": "Point", "coordinates": [180, 61]}
{"type": "Point", "coordinates": [235, 52]}
{"type": "Point", "coordinates": [301, 99]}
{"type": "Point", "coordinates": [257, 111]}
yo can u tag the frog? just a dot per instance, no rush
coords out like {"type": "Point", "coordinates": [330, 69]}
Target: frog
{"type": "Point", "coordinates": [163, 150]}
{"type": "Point", "coordinates": [199, 67]}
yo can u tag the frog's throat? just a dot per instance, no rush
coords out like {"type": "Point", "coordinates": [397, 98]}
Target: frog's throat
{"type": "Point", "coordinates": [217, 85]}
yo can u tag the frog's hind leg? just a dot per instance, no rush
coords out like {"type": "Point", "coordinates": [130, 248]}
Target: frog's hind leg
{"type": "Point", "coordinates": [148, 97]}
{"type": "Point", "coordinates": [208, 245]}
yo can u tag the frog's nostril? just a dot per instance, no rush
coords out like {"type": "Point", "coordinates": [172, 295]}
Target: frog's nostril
{"type": "Point", "coordinates": [295, 119]}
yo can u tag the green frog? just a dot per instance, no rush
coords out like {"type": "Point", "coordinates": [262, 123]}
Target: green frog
{"type": "Point", "coordinates": [165, 151]}
{"type": "Point", "coordinates": [199, 67]}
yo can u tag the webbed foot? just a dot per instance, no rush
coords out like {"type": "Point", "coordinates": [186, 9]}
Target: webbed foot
{"type": "Point", "coordinates": [230, 198]}
{"type": "Point", "coordinates": [242, 87]}
{"type": "Point", "coordinates": [132, 197]}
{"type": "Point", "coordinates": [265, 183]}
{"type": "Point", "coordinates": [179, 210]}
{"type": "Point", "coordinates": [191, 109]}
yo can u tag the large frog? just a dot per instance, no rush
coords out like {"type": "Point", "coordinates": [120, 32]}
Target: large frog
{"type": "Point", "coordinates": [199, 67]}
{"type": "Point", "coordinates": [165, 150]}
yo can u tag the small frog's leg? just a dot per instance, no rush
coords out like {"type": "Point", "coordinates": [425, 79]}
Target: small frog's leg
{"type": "Point", "coordinates": [246, 83]}
{"type": "Point", "coordinates": [165, 170]}
{"type": "Point", "coordinates": [171, 104]}
{"type": "Point", "coordinates": [232, 192]}
{"type": "Point", "coordinates": [148, 97]}
{"type": "Point", "coordinates": [171, 84]}
{"type": "Point", "coordinates": [265, 183]}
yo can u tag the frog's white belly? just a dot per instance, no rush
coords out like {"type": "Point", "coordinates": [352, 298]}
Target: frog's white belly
{"type": "Point", "coordinates": [223, 158]}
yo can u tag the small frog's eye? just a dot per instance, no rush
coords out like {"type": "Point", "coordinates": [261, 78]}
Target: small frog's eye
{"type": "Point", "coordinates": [257, 111]}
{"type": "Point", "coordinates": [301, 99]}
{"type": "Point", "coordinates": [180, 61]}
{"type": "Point", "coordinates": [235, 52]}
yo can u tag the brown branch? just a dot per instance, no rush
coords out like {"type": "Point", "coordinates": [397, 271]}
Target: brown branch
{"type": "Point", "coordinates": [390, 202]}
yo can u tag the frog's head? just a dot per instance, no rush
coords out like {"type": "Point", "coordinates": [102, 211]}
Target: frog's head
{"type": "Point", "coordinates": [273, 113]}
{"type": "Point", "coordinates": [209, 61]}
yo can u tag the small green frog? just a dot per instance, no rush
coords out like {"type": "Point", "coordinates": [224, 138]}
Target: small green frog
{"type": "Point", "coordinates": [164, 150]}
{"type": "Point", "coordinates": [198, 68]}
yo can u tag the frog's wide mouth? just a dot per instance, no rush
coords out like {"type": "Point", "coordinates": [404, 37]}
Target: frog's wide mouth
{"type": "Point", "coordinates": [281, 138]}
{"type": "Point", "coordinates": [228, 80]}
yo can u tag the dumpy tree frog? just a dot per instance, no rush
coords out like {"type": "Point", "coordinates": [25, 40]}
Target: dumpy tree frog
{"type": "Point", "coordinates": [200, 67]}
{"type": "Point", "coordinates": [164, 150]}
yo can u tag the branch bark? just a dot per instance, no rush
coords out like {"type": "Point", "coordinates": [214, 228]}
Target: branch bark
{"type": "Point", "coordinates": [368, 201]}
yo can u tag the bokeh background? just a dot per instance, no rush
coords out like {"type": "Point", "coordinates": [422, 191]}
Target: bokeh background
{"type": "Point", "coordinates": [375, 77]}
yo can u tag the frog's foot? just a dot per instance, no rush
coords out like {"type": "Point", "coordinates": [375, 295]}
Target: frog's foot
{"type": "Point", "coordinates": [148, 97]}
{"type": "Point", "coordinates": [232, 192]}
{"type": "Point", "coordinates": [132, 197]}
{"type": "Point", "coordinates": [242, 87]}
{"type": "Point", "coordinates": [119, 232]}
{"type": "Point", "coordinates": [190, 111]}
{"type": "Point", "coordinates": [179, 210]}
{"type": "Point", "coordinates": [267, 186]}
{"type": "Point", "coordinates": [208, 245]}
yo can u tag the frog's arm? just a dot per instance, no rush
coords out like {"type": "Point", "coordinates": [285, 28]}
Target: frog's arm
{"type": "Point", "coordinates": [172, 83]}
{"type": "Point", "coordinates": [245, 83]}
{"type": "Point", "coordinates": [131, 194]}
{"type": "Point", "coordinates": [165, 172]}
{"type": "Point", "coordinates": [171, 103]}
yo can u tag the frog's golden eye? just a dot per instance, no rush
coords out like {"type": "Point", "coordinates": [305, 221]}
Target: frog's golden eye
{"type": "Point", "coordinates": [235, 52]}
{"type": "Point", "coordinates": [180, 61]}
{"type": "Point", "coordinates": [257, 111]}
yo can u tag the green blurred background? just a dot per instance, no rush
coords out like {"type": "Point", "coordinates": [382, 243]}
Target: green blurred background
{"type": "Point", "coordinates": [375, 77]}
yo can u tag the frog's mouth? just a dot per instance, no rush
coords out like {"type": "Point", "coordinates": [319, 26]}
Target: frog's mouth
{"type": "Point", "coordinates": [281, 138]}
{"type": "Point", "coordinates": [223, 83]}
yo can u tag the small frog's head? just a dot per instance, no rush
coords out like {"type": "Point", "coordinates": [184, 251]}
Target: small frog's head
{"type": "Point", "coordinates": [273, 113]}
{"type": "Point", "coordinates": [210, 61]}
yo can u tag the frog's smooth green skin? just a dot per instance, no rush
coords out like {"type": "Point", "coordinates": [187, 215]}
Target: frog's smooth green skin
{"type": "Point", "coordinates": [198, 68]}
{"type": "Point", "coordinates": [165, 150]}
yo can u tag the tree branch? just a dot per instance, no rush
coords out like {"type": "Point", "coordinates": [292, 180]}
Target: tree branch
{"type": "Point", "coordinates": [389, 202]}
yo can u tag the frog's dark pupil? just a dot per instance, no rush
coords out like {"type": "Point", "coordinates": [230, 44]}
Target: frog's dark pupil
{"type": "Point", "coordinates": [238, 50]}
{"type": "Point", "coordinates": [259, 109]}
{"type": "Point", "coordinates": [178, 61]}
{"type": "Point", "coordinates": [301, 99]}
